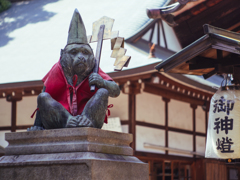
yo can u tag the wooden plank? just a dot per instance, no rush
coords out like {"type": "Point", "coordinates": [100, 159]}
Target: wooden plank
{"type": "Point", "coordinates": [147, 156]}
{"type": "Point", "coordinates": [172, 170]}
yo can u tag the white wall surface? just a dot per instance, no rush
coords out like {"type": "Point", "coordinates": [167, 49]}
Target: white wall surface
{"type": "Point", "coordinates": [25, 109]}
{"type": "Point", "coordinates": [150, 108]}
{"type": "Point", "coordinates": [200, 120]}
{"type": "Point", "coordinates": [180, 141]}
{"type": "Point", "coordinates": [180, 115]}
{"type": "Point", "coordinates": [120, 106]}
{"type": "Point", "coordinates": [5, 112]}
{"type": "Point", "coordinates": [149, 135]}
{"type": "Point", "coordinates": [200, 144]}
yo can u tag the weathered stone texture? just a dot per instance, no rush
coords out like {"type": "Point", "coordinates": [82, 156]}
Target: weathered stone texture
{"type": "Point", "coordinates": [74, 153]}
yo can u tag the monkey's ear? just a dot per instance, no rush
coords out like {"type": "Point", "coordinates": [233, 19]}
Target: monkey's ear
{"type": "Point", "coordinates": [61, 53]}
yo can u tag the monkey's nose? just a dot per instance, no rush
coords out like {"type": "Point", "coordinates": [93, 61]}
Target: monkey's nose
{"type": "Point", "coordinates": [82, 59]}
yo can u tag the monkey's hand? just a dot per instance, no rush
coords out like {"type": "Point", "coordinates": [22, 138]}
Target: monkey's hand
{"type": "Point", "coordinates": [97, 80]}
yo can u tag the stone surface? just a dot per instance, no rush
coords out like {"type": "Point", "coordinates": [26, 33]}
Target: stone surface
{"type": "Point", "coordinates": [68, 140]}
{"type": "Point", "coordinates": [73, 153]}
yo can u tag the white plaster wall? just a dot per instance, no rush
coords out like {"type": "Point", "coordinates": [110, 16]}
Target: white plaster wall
{"type": "Point", "coordinates": [200, 144]}
{"type": "Point", "coordinates": [149, 135]}
{"type": "Point", "coordinates": [5, 112]}
{"type": "Point", "coordinates": [150, 108]}
{"type": "Point", "coordinates": [180, 141]}
{"type": "Point", "coordinates": [25, 109]}
{"type": "Point", "coordinates": [120, 106]}
{"type": "Point", "coordinates": [180, 115]}
{"type": "Point", "coordinates": [200, 120]}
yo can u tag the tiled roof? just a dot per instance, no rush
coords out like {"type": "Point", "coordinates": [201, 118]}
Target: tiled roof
{"type": "Point", "coordinates": [33, 32]}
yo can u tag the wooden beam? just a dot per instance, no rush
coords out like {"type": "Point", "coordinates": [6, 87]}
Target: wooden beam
{"type": "Point", "coordinates": [172, 95]}
{"type": "Point", "coordinates": [161, 157]}
{"type": "Point", "coordinates": [5, 128]}
{"type": "Point", "coordinates": [157, 126]}
{"type": "Point", "coordinates": [151, 35]}
{"type": "Point", "coordinates": [124, 122]}
{"type": "Point", "coordinates": [158, 32]}
{"type": "Point", "coordinates": [8, 128]}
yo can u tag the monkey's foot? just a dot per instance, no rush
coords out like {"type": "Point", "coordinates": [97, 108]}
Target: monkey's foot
{"type": "Point", "coordinates": [35, 128]}
{"type": "Point", "coordinates": [79, 121]}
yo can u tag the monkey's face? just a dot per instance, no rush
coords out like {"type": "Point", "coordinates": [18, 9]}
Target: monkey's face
{"type": "Point", "coordinates": [81, 57]}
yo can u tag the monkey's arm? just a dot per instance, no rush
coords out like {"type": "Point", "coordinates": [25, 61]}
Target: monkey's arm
{"type": "Point", "coordinates": [111, 86]}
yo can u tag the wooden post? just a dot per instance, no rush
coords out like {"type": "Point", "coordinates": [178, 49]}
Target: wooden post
{"type": "Point", "coordinates": [166, 100]}
{"type": "Point", "coordinates": [132, 118]}
{"type": "Point", "coordinates": [134, 88]}
{"type": "Point", "coordinates": [150, 166]}
{"type": "Point", "coordinates": [14, 116]}
{"type": "Point", "coordinates": [172, 170]}
{"type": "Point", "coordinates": [13, 99]}
{"type": "Point", "coordinates": [206, 121]}
{"type": "Point", "coordinates": [194, 107]}
{"type": "Point", "coordinates": [163, 170]}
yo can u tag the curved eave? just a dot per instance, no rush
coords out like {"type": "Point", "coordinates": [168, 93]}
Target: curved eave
{"type": "Point", "coordinates": [214, 38]}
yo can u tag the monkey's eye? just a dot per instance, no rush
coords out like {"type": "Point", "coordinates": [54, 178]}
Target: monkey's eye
{"type": "Point", "coordinates": [73, 52]}
{"type": "Point", "coordinates": [85, 52]}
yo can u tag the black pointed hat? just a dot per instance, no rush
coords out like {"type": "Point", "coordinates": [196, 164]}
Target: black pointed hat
{"type": "Point", "coordinates": [77, 31]}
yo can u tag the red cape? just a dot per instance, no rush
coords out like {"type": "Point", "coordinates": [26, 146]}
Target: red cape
{"type": "Point", "coordinates": [57, 86]}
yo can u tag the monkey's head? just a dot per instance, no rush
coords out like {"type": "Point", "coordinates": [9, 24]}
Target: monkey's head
{"type": "Point", "coordinates": [77, 59]}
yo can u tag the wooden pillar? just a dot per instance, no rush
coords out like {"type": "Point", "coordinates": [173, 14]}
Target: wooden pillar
{"type": "Point", "coordinates": [206, 121]}
{"type": "Point", "coordinates": [163, 170]}
{"type": "Point", "coordinates": [172, 166]}
{"type": "Point", "coordinates": [13, 99]}
{"type": "Point", "coordinates": [132, 118]}
{"type": "Point", "coordinates": [132, 89]}
{"type": "Point", "coordinates": [14, 116]}
{"type": "Point", "coordinates": [194, 107]}
{"type": "Point", "coordinates": [166, 100]}
{"type": "Point", "coordinates": [151, 172]}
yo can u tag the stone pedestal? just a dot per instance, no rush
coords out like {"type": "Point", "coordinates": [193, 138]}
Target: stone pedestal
{"type": "Point", "coordinates": [74, 153]}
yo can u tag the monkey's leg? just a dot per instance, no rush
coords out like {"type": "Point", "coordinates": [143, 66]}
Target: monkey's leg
{"type": "Point", "coordinates": [52, 114]}
{"type": "Point", "coordinates": [95, 109]}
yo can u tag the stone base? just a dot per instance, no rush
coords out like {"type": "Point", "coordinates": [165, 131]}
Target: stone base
{"type": "Point", "coordinates": [71, 154]}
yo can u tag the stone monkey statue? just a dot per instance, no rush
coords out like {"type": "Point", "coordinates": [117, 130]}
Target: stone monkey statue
{"type": "Point", "coordinates": [66, 100]}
